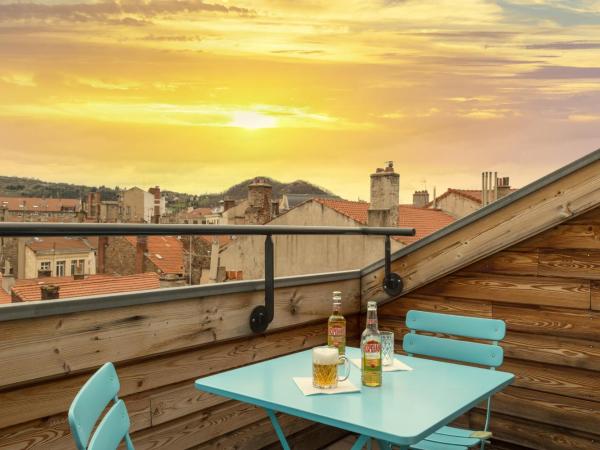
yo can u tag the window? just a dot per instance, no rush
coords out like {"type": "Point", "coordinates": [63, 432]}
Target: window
{"type": "Point", "coordinates": [45, 266]}
{"type": "Point", "coordinates": [77, 263]}
{"type": "Point", "coordinates": [60, 268]}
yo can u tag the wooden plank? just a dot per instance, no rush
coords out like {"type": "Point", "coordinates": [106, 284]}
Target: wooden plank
{"type": "Point", "coordinates": [569, 235]}
{"type": "Point", "coordinates": [507, 262]}
{"type": "Point", "coordinates": [514, 289]}
{"type": "Point", "coordinates": [595, 296]}
{"type": "Point", "coordinates": [435, 303]}
{"type": "Point", "coordinates": [550, 409]}
{"type": "Point", "coordinates": [315, 438]}
{"type": "Point", "coordinates": [80, 341]}
{"type": "Point", "coordinates": [559, 380]}
{"type": "Point", "coordinates": [552, 350]}
{"type": "Point", "coordinates": [55, 396]}
{"type": "Point", "coordinates": [198, 428]}
{"type": "Point", "coordinates": [570, 263]}
{"type": "Point", "coordinates": [551, 205]}
{"type": "Point", "coordinates": [534, 435]}
{"type": "Point", "coordinates": [576, 324]}
{"type": "Point", "coordinates": [51, 433]}
{"type": "Point", "coordinates": [257, 436]}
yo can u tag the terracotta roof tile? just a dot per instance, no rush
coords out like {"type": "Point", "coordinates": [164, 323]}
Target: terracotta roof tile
{"type": "Point", "coordinates": [29, 290]}
{"type": "Point", "coordinates": [4, 296]}
{"type": "Point", "coordinates": [424, 220]}
{"type": "Point", "coordinates": [40, 204]}
{"type": "Point", "coordinates": [59, 244]}
{"type": "Point", "coordinates": [165, 252]}
{"type": "Point", "coordinates": [472, 194]}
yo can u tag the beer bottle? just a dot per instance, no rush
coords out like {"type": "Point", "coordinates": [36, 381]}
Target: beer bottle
{"type": "Point", "coordinates": [370, 346]}
{"type": "Point", "coordinates": [336, 326]}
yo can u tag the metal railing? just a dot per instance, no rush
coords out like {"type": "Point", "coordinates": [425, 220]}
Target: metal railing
{"type": "Point", "coordinates": [262, 315]}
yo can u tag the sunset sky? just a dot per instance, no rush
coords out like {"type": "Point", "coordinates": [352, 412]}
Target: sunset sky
{"type": "Point", "coordinates": [196, 96]}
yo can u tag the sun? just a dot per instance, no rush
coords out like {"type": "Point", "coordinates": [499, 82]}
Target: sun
{"type": "Point", "coordinates": [251, 120]}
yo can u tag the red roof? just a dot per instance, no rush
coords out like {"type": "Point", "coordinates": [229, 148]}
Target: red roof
{"type": "Point", "coordinates": [40, 204]}
{"type": "Point", "coordinates": [199, 212]}
{"type": "Point", "coordinates": [424, 220]}
{"type": "Point", "coordinates": [4, 296]}
{"type": "Point", "coordinates": [29, 290]}
{"type": "Point", "coordinates": [59, 244]}
{"type": "Point", "coordinates": [165, 252]}
{"type": "Point", "coordinates": [472, 194]}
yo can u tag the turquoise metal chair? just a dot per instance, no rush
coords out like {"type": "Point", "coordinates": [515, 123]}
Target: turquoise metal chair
{"type": "Point", "coordinates": [490, 355]}
{"type": "Point", "coordinates": [89, 404]}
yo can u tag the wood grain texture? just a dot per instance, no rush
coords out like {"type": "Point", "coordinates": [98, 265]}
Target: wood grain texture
{"type": "Point", "coordinates": [558, 410]}
{"type": "Point", "coordinates": [563, 322]}
{"type": "Point", "coordinates": [55, 396]}
{"type": "Point", "coordinates": [570, 235]}
{"type": "Point", "coordinates": [534, 435]}
{"type": "Point", "coordinates": [570, 263]}
{"type": "Point", "coordinates": [435, 303]}
{"type": "Point", "coordinates": [595, 296]}
{"type": "Point", "coordinates": [508, 262]}
{"type": "Point", "coordinates": [528, 290]}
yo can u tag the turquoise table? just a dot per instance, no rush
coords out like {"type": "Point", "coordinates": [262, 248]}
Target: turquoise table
{"type": "Point", "coordinates": [408, 407]}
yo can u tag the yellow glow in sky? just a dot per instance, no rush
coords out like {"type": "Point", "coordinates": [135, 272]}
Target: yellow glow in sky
{"type": "Point", "coordinates": [251, 120]}
{"type": "Point", "coordinates": [158, 92]}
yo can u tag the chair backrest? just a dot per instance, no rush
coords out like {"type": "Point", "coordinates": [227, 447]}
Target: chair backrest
{"type": "Point", "coordinates": [89, 404]}
{"type": "Point", "coordinates": [465, 351]}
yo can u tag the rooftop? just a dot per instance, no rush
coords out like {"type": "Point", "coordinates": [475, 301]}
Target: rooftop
{"type": "Point", "coordinates": [29, 290]}
{"type": "Point", "coordinates": [165, 252]}
{"type": "Point", "coordinates": [39, 204]}
{"type": "Point", "coordinates": [59, 244]}
{"type": "Point", "coordinates": [424, 220]}
{"type": "Point", "coordinates": [472, 194]}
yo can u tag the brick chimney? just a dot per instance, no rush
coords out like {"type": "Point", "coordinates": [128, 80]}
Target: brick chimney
{"type": "Point", "coordinates": [141, 248]}
{"type": "Point", "coordinates": [503, 186]}
{"type": "Point", "coordinates": [156, 192]}
{"type": "Point", "coordinates": [50, 291]}
{"type": "Point", "coordinates": [420, 198]}
{"type": "Point", "coordinates": [101, 254]}
{"type": "Point", "coordinates": [228, 203]}
{"type": "Point", "coordinates": [258, 211]}
{"type": "Point", "coordinates": [385, 197]}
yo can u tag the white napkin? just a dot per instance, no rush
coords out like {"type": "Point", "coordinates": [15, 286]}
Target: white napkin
{"type": "Point", "coordinates": [398, 365]}
{"type": "Point", "coordinates": [307, 388]}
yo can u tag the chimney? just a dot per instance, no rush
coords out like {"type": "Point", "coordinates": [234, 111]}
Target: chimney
{"type": "Point", "coordinates": [228, 203]}
{"type": "Point", "coordinates": [101, 254]}
{"type": "Point", "coordinates": [503, 187]}
{"type": "Point", "coordinates": [420, 199]}
{"type": "Point", "coordinates": [385, 197]}
{"type": "Point", "coordinates": [141, 248]}
{"type": "Point", "coordinates": [156, 192]}
{"type": "Point", "coordinates": [258, 211]}
{"type": "Point", "coordinates": [50, 291]}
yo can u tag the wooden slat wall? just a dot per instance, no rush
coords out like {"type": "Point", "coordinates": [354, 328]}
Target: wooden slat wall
{"type": "Point", "coordinates": [159, 351]}
{"type": "Point", "coordinates": [547, 290]}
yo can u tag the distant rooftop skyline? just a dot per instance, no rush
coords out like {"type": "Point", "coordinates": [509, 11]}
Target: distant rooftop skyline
{"type": "Point", "coordinates": [196, 96]}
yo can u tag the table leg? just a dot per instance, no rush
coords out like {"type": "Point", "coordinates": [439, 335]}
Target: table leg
{"type": "Point", "coordinates": [278, 430]}
{"type": "Point", "coordinates": [384, 445]}
{"type": "Point", "coordinates": [360, 442]}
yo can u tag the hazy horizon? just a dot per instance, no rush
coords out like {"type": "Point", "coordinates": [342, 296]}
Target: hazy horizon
{"type": "Point", "coordinates": [197, 96]}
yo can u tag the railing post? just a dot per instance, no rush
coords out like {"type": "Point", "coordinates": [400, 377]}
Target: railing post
{"type": "Point", "coordinates": [392, 283]}
{"type": "Point", "coordinates": [261, 315]}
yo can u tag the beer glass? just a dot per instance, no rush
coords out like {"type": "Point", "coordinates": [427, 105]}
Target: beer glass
{"type": "Point", "coordinates": [325, 367]}
{"type": "Point", "coordinates": [387, 348]}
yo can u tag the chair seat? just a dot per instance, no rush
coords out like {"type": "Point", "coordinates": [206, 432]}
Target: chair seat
{"type": "Point", "coordinates": [447, 438]}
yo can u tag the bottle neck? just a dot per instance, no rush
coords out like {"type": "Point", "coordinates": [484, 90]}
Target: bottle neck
{"type": "Point", "coordinates": [337, 307]}
{"type": "Point", "coordinates": [372, 319]}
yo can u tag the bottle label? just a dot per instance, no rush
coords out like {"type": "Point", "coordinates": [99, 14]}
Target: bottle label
{"type": "Point", "coordinates": [337, 337]}
{"type": "Point", "coordinates": [372, 355]}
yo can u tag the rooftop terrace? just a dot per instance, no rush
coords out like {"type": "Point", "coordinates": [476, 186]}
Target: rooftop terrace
{"type": "Point", "coordinates": [531, 259]}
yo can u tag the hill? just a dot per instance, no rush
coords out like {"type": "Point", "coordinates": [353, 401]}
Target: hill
{"type": "Point", "coordinates": [32, 187]}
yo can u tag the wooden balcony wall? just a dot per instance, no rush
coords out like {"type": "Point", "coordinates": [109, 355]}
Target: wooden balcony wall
{"type": "Point", "coordinates": [547, 289]}
{"type": "Point", "coordinates": [159, 350]}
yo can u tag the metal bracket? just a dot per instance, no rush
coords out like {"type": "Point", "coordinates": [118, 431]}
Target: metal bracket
{"type": "Point", "coordinates": [262, 315]}
{"type": "Point", "coordinates": [392, 283]}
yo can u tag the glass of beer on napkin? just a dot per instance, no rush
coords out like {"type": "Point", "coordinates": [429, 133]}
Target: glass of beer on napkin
{"type": "Point", "coordinates": [325, 362]}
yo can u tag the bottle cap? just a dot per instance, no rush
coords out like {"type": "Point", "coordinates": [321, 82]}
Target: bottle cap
{"type": "Point", "coordinates": [372, 305]}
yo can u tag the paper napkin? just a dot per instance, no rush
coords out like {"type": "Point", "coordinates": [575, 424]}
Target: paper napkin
{"type": "Point", "coordinates": [398, 365]}
{"type": "Point", "coordinates": [307, 388]}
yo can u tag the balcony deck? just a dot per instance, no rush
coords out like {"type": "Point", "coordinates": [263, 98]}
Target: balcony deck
{"type": "Point", "coordinates": [533, 261]}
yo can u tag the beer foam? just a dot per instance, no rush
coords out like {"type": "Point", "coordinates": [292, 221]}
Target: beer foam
{"type": "Point", "coordinates": [325, 356]}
